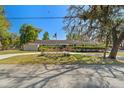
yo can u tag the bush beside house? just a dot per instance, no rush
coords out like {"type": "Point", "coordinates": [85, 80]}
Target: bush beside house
{"type": "Point", "coordinates": [89, 48]}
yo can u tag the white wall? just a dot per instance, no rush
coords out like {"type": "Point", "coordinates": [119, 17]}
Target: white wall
{"type": "Point", "coordinates": [31, 47]}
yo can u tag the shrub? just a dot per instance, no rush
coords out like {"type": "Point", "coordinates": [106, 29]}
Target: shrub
{"type": "Point", "coordinates": [66, 54]}
{"type": "Point", "coordinates": [78, 48]}
{"type": "Point", "coordinates": [88, 48]}
{"type": "Point", "coordinates": [50, 48]}
{"type": "Point", "coordinates": [42, 49]}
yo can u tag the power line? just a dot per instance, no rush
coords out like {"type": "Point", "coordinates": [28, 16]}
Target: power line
{"type": "Point", "coordinates": [25, 18]}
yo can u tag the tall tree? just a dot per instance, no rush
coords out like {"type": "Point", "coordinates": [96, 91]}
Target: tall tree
{"type": "Point", "coordinates": [6, 41]}
{"type": "Point", "coordinates": [77, 36]}
{"type": "Point", "coordinates": [14, 40]}
{"type": "Point", "coordinates": [97, 22]}
{"type": "Point", "coordinates": [46, 36]}
{"type": "Point", "coordinates": [4, 26]}
{"type": "Point", "coordinates": [73, 36]}
{"type": "Point", "coordinates": [28, 33]}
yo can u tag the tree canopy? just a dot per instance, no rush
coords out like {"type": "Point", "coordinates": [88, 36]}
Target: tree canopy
{"type": "Point", "coordinates": [28, 33]}
{"type": "Point", "coordinates": [97, 22]}
{"type": "Point", "coordinates": [46, 36]}
{"type": "Point", "coordinates": [4, 23]}
{"type": "Point", "coordinates": [4, 26]}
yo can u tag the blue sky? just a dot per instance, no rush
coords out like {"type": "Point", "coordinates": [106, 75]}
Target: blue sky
{"type": "Point", "coordinates": [50, 25]}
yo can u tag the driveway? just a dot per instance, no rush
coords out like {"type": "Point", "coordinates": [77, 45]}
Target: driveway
{"type": "Point", "coordinates": [61, 76]}
{"type": "Point", "coordinates": [17, 54]}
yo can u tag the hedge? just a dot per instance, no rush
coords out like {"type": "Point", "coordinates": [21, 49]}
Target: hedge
{"type": "Point", "coordinates": [89, 47]}
{"type": "Point", "coordinates": [73, 48]}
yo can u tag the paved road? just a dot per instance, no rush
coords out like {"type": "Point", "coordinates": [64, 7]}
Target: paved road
{"type": "Point", "coordinates": [61, 76]}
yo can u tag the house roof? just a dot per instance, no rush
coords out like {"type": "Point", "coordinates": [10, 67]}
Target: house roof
{"type": "Point", "coordinates": [61, 42]}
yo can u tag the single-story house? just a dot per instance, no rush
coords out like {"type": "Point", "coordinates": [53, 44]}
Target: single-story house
{"type": "Point", "coordinates": [31, 47]}
{"type": "Point", "coordinates": [34, 46]}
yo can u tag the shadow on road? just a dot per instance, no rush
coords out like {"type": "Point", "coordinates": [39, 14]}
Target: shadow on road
{"type": "Point", "coordinates": [89, 76]}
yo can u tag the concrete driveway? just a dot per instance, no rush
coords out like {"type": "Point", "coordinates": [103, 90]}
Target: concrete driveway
{"type": "Point", "coordinates": [61, 76]}
{"type": "Point", "coordinates": [17, 54]}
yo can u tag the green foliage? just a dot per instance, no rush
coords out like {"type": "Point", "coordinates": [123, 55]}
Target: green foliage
{"type": "Point", "coordinates": [14, 40]}
{"type": "Point", "coordinates": [46, 36]}
{"type": "Point", "coordinates": [90, 47]}
{"type": "Point", "coordinates": [49, 48]}
{"type": "Point", "coordinates": [42, 49]}
{"type": "Point", "coordinates": [28, 33]}
{"type": "Point", "coordinates": [4, 24]}
{"type": "Point", "coordinates": [4, 34]}
{"type": "Point", "coordinates": [73, 48]}
{"type": "Point", "coordinates": [6, 41]}
{"type": "Point", "coordinates": [10, 40]}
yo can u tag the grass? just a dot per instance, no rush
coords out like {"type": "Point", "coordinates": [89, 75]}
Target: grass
{"type": "Point", "coordinates": [12, 52]}
{"type": "Point", "coordinates": [56, 59]}
{"type": "Point", "coordinates": [20, 51]}
{"type": "Point", "coordinates": [120, 54]}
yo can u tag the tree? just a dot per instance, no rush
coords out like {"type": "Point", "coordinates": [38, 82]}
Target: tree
{"type": "Point", "coordinates": [72, 36]}
{"type": "Point", "coordinates": [101, 22]}
{"type": "Point", "coordinates": [14, 40]}
{"type": "Point", "coordinates": [28, 33]}
{"type": "Point", "coordinates": [45, 36]}
{"type": "Point", "coordinates": [4, 25]}
{"type": "Point", "coordinates": [6, 41]}
{"type": "Point", "coordinates": [77, 36]}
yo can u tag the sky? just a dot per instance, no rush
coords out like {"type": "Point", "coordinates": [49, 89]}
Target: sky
{"type": "Point", "coordinates": [52, 26]}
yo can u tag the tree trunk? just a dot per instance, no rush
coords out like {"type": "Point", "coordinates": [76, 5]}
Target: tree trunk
{"type": "Point", "coordinates": [116, 43]}
{"type": "Point", "coordinates": [114, 51]}
{"type": "Point", "coordinates": [106, 45]}
{"type": "Point", "coordinates": [105, 50]}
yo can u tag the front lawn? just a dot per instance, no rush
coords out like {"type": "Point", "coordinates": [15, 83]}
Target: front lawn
{"type": "Point", "coordinates": [120, 53]}
{"type": "Point", "coordinates": [13, 52]}
{"type": "Point", "coordinates": [56, 59]}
